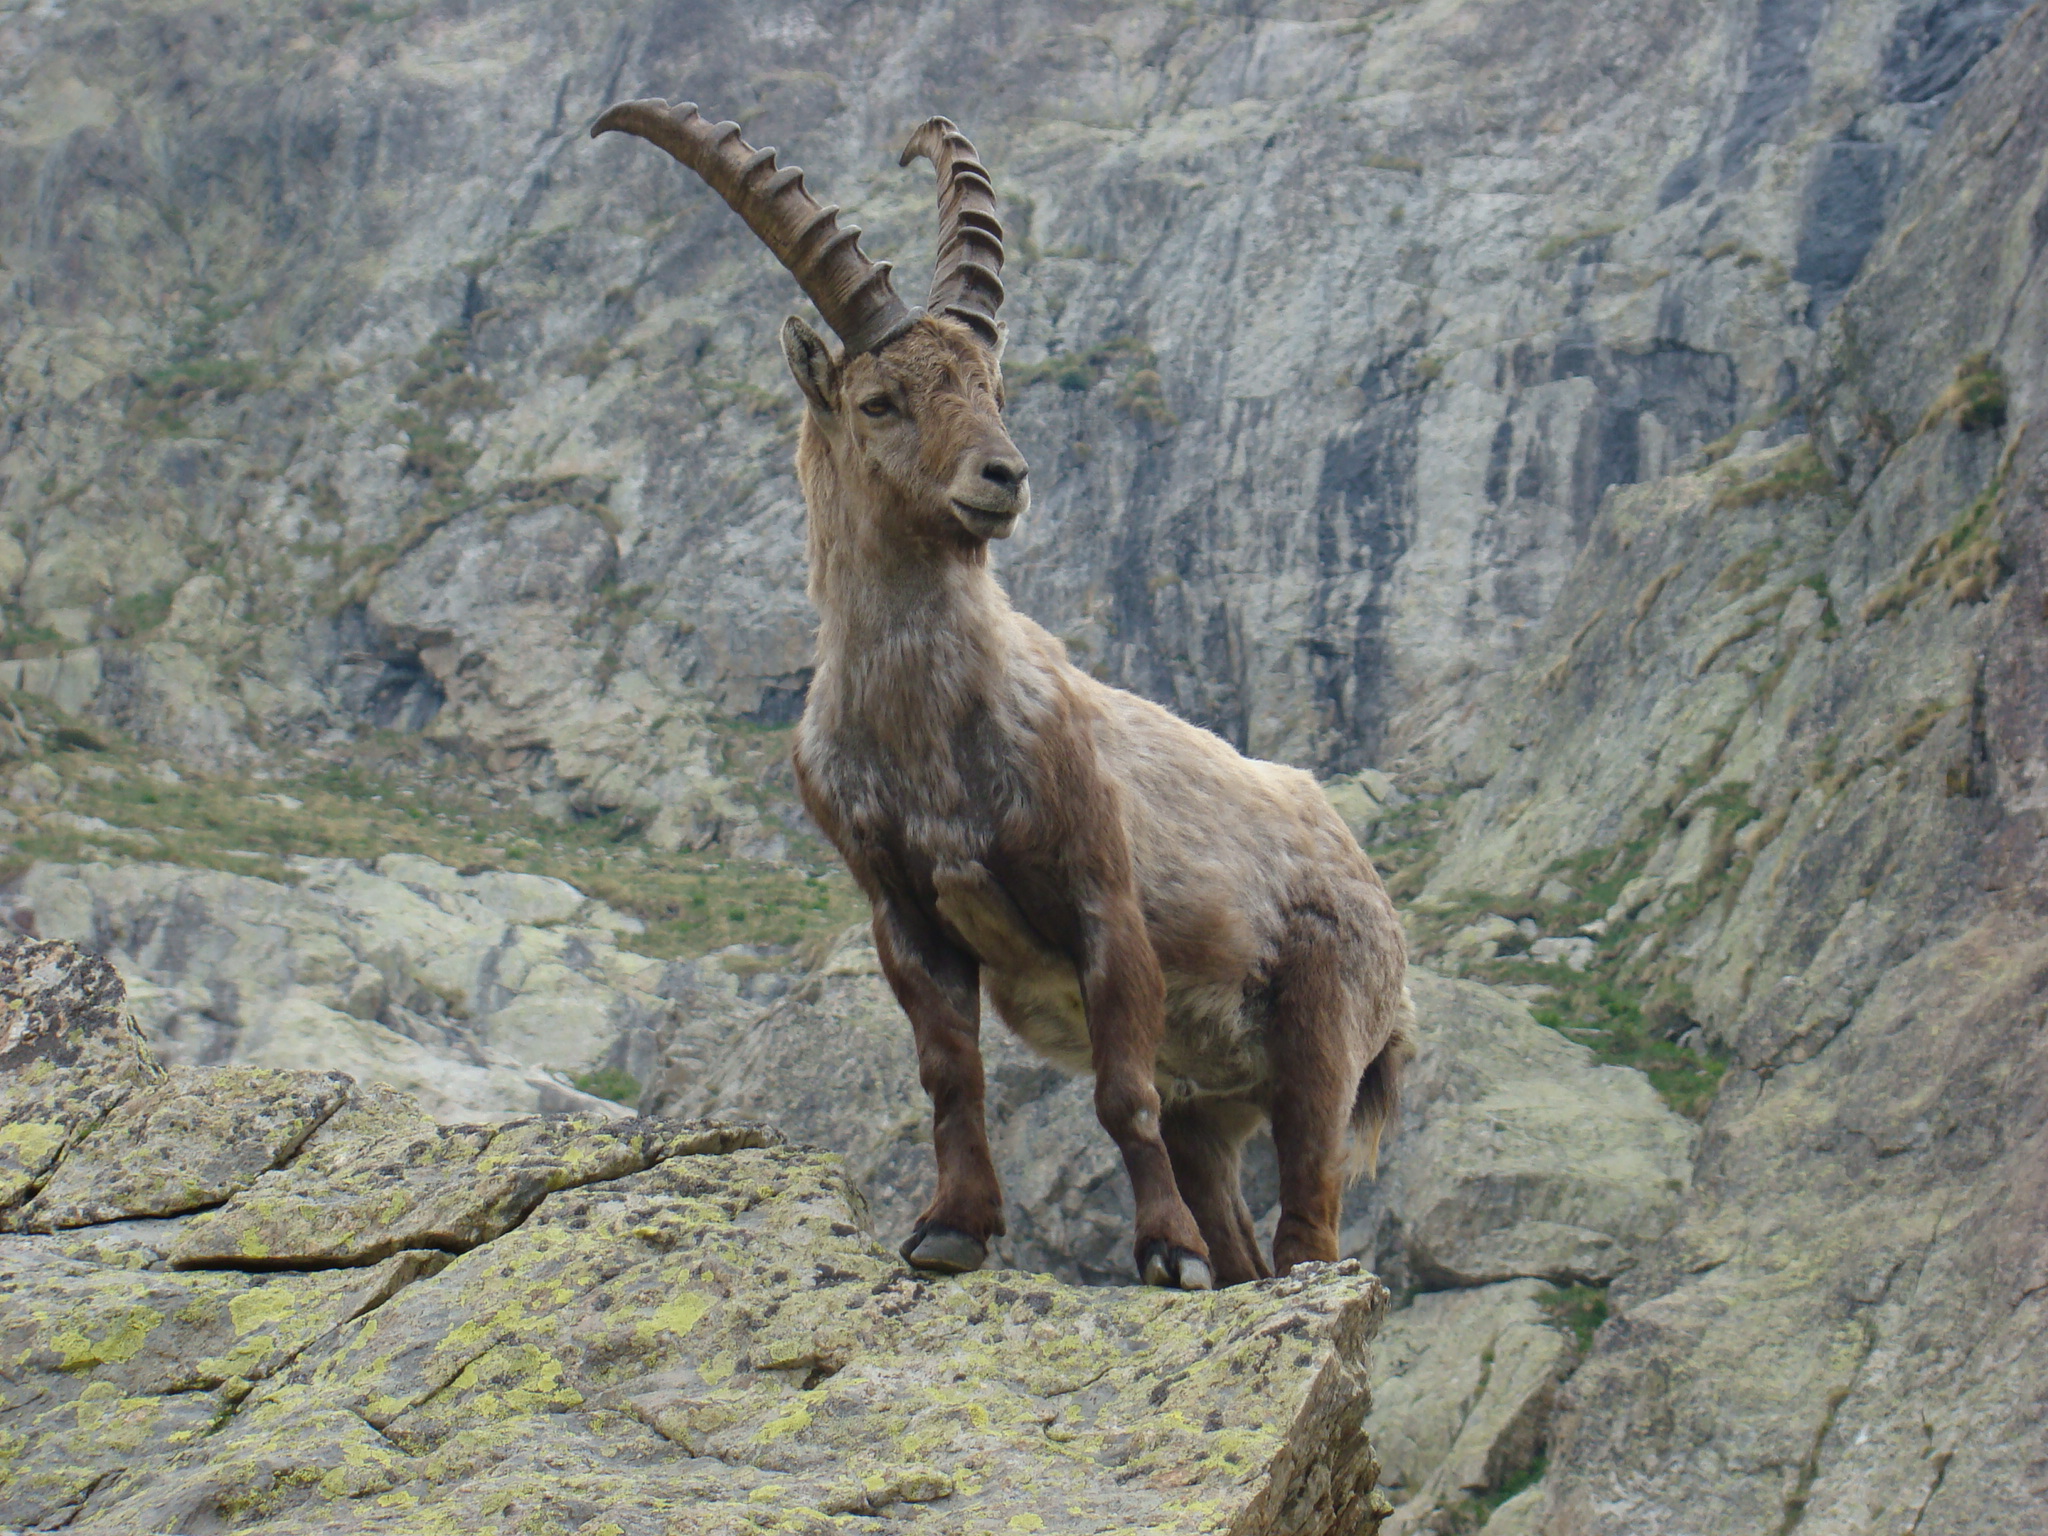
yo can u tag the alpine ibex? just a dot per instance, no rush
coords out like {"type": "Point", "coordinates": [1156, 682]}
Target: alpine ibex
{"type": "Point", "coordinates": [1197, 929]}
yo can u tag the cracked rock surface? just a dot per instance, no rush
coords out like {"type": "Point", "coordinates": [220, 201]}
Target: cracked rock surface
{"type": "Point", "coordinates": [1468, 1378]}
{"type": "Point", "coordinates": [463, 990]}
{"type": "Point", "coordinates": [575, 1324]}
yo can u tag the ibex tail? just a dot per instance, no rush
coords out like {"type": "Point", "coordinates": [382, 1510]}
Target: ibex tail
{"type": "Point", "coordinates": [1379, 1092]}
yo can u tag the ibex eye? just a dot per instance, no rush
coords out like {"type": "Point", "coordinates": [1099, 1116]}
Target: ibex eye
{"type": "Point", "coordinates": [878, 407]}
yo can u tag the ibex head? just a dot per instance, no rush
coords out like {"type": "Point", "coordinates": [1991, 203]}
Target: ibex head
{"type": "Point", "coordinates": [912, 407]}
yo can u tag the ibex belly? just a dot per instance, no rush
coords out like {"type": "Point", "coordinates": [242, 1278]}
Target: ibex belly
{"type": "Point", "coordinates": [1211, 1044]}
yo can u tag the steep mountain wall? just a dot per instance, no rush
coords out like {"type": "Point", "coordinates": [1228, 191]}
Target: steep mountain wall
{"type": "Point", "coordinates": [1796, 709]}
{"type": "Point", "coordinates": [346, 381]}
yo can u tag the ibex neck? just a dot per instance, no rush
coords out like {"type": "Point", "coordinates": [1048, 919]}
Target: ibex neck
{"type": "Point", "coordinates": [905, 630]}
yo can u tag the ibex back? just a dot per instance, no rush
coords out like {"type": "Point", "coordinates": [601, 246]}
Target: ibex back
{"type": "Point", "coordinates": [1137, 900]}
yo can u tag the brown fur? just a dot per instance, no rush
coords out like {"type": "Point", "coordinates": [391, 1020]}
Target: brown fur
{"type": "Point", "coordinates": [1137, 900]}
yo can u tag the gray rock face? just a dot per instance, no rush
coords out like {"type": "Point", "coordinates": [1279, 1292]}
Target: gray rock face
{"type": "Point", "coordinates": [1329, 332]}
{"type": "Point", "coordinates": [1516, 1155]}
{"type": "Point", "coordinates": [473, 992]}
{"type": "Point", "coordinates": [1819, 682]}
{"type": "Point", "coordinates": [1468, 1377]}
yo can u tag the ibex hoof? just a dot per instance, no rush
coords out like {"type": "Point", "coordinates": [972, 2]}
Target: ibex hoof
{"type": "Point", "coordinates": [943, 1250]}
{"type": "Point", "coordinates": [1161, 1263]}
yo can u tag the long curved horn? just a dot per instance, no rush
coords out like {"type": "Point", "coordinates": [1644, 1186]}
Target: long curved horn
{"type": "Point", "coordinates": [967, 275]}
{"type": "Point", "coordinates": [851, 292]}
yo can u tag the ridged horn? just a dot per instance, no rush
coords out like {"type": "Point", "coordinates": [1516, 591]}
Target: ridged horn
{"type": "Point", "coordinates": [967, 278]}
{"type": "Point", "coordinates": [853, 294]}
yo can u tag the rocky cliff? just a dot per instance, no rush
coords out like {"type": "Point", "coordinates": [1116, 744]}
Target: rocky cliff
{"type": "Point", "coordinates": [286, 1302]}
{"type": "Point", "coordinates": [1624, 422]}
{"type": "Point", "coordinates": [1813, 802]}
{"type": "Point", "coordinates": [346, 380]}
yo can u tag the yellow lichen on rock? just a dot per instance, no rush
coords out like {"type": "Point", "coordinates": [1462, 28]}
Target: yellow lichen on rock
{"type": "Point", "coordinates": [636, 1326]}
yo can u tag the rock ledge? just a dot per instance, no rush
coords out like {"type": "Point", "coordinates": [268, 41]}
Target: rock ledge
{"type": "Point", "coordinates": [272, 1301]}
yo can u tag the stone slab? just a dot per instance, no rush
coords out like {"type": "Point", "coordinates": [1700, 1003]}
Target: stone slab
{"type": "Point", "coordinates": [69, 1054]}
{"type": "Point", "coordinates": [373, 1184]}
{"type": "Point", "coordinates": [191, 1141]}
{"type": "Point", "coordinates": [719, 1334]}
{"type": "Point", "coordinates": [1517, 1154]}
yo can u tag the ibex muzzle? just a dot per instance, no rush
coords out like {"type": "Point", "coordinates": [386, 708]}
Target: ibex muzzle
{"type": "Point", "coordinates": [1198, 931]}
{"type": "Point", "coordinates": [988, 490]}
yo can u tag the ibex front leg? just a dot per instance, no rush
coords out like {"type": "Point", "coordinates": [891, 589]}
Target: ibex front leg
{"type": "Point", "coordinates": [939, 987]}
{"type": "Point", "coordinates": [1125, 996]}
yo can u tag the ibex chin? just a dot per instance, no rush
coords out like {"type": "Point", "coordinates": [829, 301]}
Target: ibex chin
{"type": "Point", "coordinates": [1198, 930]}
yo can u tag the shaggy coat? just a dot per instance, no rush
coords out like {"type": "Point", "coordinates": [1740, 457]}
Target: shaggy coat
{"type": "Point", "coordinates": [1197, 929]}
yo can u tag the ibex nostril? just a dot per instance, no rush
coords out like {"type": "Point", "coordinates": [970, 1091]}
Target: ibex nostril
{"type": "Point", "coordinates": [1007, 473]}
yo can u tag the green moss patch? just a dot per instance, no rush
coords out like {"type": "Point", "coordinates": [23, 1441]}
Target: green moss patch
{"type": "Point", "coordinates": [389, 793]}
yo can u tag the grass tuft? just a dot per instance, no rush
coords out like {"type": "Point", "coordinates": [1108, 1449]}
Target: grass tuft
{"type": "Point", "coordinates": [1966, 559]}
{"type": "Point", "coordinates": [20, 640]}
{"type": "Point", "coordinates": [1615, 1022]}
{"type": "Point", "coordinates": [162, 394]}
{"type": "Point", "coordinates": [1557, 245]}
{"type": "Point", "coordinates": [391, 793]}
{"type": "Point", "coordinates": [1976, 401]}
{"type": "Point", "coordinates": [1801, 472]}
{"type": "Point", "coordinates": [137, 614]}
{"type": "Point", "coordinates": [1143, 395]}
{"type": "Point", "coordinates": [1140, 391]}
{"type": "Point", "coordinates": [1577, 1309]}
{"type": "Point", "coordinates": [614, 1083]}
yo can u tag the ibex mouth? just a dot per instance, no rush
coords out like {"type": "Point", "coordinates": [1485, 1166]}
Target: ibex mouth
{"type": "Point", "coordinates": [984, 523]}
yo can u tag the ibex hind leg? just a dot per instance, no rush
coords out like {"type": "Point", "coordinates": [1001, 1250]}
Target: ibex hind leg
{"type": "Point", "coordinates": [1204, 1138]}
{"type": "Point", "coordinates": [1316, 1049]}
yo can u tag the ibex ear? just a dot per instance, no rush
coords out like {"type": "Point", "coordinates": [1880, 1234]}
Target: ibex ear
{"type": "Point", "coordinates": [810, 361]}
{"type": "Point", "coordinates": [1002, 341]}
